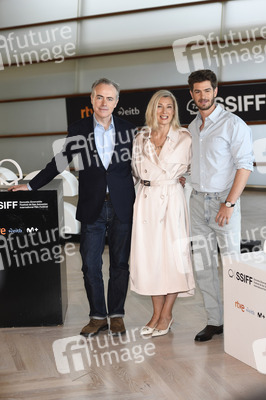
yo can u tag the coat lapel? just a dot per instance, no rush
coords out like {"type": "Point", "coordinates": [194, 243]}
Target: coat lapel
{"type": "Point", "coordinates": [167, 150]}
{"type": "Point", "coordinates": [148, 148]}
{"type": "Point", "coordinates": [170, 144]}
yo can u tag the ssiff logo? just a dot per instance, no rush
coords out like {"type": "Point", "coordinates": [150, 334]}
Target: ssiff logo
{"type": "Point", "coordinates": [6, 205]}
{"type": "Point", "coordinates": [71, 354]}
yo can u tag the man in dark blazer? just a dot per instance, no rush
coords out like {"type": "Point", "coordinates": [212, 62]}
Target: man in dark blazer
{"type": "Point", "coordinates": [103, 145]}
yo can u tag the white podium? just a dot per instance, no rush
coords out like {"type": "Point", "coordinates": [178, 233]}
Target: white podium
{"type": "Point", "coordinates": [245, 308]}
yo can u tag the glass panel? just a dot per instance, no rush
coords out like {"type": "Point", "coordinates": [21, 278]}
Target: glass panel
{"type": "Point", "coordinates": [90, 7]}
{"type": "Point", "coordinates": [33, 117]}
{"type": "Point", "coordinates": [151, 29]}
{"type": "Point", "coordinates": [244, 61]}
{"type": "Point", "coordinates": [19, 150]}
{"type": "Point", "coordinates": [242, 15]}
{"type": "Point", "coordinates": [31, 154]}
{"type": "Point", "coordinates": [46, 79]}
{"type": "Point", "coordinates": [132, 71]}
{"type": "Point", "coordinates": [14, 12]}
{"type": "Point", "coordinates": [259, 145]}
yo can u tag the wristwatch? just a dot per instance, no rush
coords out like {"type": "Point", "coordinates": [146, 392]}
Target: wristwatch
{"type": "Point", "coordinates": [228, 204]}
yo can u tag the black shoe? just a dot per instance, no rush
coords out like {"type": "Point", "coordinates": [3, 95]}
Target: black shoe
{"type": "Point", "coordinates": [208, 332]}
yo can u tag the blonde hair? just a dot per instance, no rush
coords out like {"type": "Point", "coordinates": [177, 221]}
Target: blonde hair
{"type": "Point", "coordinates": [151, 111]}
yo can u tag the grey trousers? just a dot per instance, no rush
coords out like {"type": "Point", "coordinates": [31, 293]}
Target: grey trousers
{"type": "Point", "coordinates": [206, 234]}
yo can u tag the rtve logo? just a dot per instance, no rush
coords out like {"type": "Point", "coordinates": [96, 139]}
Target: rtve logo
{"type": "Point", "coordinates": [239, 306]}
{"type": "Point", "coordinates": [86, 112]}
{"type": "Point", "coordinates": [244, 278]}
{"type": "Point", "coordinates": [6, 205]}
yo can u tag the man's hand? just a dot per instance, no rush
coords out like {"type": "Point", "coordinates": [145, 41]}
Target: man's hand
{"type": "Point", "coordinates": [182, 180]}
{"type": "Point", "coordinates": [16, 188]}
{"type": "Point", "coordinates": [224, 215]}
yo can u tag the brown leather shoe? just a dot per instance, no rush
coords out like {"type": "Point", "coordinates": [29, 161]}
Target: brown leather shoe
{"type": "Point", "coordinates": [94, 327]}
{"type": "Point", "coordinates": [117, 326]}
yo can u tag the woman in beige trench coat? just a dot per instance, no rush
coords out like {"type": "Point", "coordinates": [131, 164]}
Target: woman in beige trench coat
{"type": "Point", "coordinates": [160, 263]}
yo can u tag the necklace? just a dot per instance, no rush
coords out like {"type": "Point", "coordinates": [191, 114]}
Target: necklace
{"type": "Point", "coordinates": [159, 146]}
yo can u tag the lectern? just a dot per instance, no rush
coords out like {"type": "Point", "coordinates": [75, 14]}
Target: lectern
{"type": "Point", "coordinates": [245, 308]}
{"type": "Point", "coordinates": [33, 285]}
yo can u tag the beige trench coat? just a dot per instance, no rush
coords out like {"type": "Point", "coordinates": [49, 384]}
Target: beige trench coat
{"type": "Point", "coordinates": [160, 261]}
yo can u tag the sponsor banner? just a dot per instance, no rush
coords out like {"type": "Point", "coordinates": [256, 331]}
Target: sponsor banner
{"type": "Point", "coordinates": [248, 101]}
{"type": "Point", "coordinates": [32, 257]}
{"type": "Point", "coordinates": [22, 204]}
{"type": "Point", "coordinates": [245, 308]}
{"type": "Point", "coordinates": [28, 221]}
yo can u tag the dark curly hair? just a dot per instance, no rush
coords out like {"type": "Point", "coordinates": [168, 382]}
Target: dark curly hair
{"type": "Point", "coordinates": [202, 75]}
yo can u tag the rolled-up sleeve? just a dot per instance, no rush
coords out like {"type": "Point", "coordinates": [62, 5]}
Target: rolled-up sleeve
{"type": "Point", "coordinates": [242, 145]}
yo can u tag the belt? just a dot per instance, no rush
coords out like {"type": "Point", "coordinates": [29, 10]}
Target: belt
{"type": "Point", "coordinates": [107, 197]}
{"type": "Point", "coordinates": [159, 183]}
{"type": "Point", "coordinates": [212, 194]}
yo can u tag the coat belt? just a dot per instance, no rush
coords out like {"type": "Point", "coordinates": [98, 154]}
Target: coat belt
{"type": "Point", "coordinates": [159, 183]}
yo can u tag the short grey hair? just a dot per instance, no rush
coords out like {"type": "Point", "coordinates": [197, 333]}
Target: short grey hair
{"type": "Point", "coordinates": [106, 82]}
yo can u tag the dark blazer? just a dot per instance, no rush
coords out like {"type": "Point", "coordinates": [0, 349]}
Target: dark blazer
{"type": "Point", "coordinates": [93, 177]}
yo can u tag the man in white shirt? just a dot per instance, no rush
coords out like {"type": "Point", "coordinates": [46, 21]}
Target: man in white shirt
{"type": "Point", "coordinates": [221, 164]}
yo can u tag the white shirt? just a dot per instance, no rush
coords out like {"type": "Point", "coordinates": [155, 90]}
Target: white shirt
{"type": "Point", "coordinates": [218, 150]}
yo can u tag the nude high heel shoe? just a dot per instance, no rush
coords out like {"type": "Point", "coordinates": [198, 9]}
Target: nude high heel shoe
{"type": "Point", "coordinates": [160, 332]}
{"type": "Point", "coordinates": [146, 330]}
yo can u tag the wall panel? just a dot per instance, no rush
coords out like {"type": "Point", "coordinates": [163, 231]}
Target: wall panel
{"type": "Point", "coordinates": [31, 154]}
{"type": "Point", "coordinates": [90, 7]}
{"type": "Point", "coordinates": [36, 80]}
{"type": "Point", "coordinates": [33, 117]}
{"type": "Point", "coordinates": [132, 71]}
{"type": "Point", "coordinates": [150, 29]}
{"type": "Point", "coordinates": [243, 14]}
{"type": "Point", "coordinates": [14, 12]}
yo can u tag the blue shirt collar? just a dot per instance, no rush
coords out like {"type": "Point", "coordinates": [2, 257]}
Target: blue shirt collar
{"type": "Point", "coordinates": [96, 123]}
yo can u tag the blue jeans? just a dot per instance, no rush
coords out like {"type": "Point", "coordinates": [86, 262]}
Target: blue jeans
{"type": "Point", "coordinates": [206, 234]}
{"type": "Point", "coordinates": [92, 244]}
